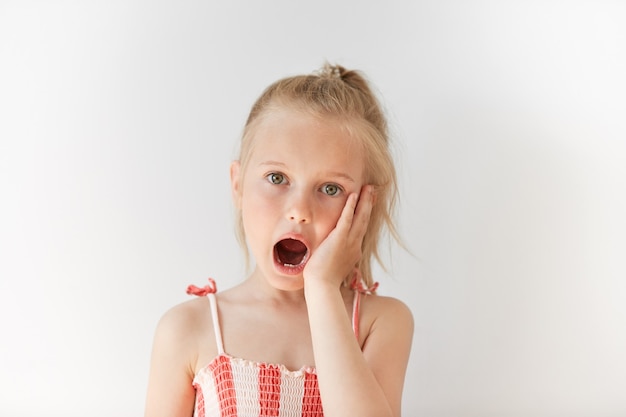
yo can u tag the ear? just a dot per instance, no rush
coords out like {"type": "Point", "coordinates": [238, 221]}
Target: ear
{"type": "Point", "coordinates": [235, 183]}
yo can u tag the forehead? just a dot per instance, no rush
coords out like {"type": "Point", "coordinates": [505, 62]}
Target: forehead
{"type": "Point", "coordinates": [297, 138]}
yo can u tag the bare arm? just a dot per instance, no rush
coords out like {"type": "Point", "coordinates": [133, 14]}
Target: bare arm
{"type": "Point", "coordinates": [170, 390]}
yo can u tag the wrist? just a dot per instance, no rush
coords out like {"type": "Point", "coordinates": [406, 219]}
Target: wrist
{"type": "Point", "coordinates": [320, 288]}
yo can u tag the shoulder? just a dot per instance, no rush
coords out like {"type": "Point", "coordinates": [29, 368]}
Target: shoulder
{"type": "Point", "coordinates": [384, 306]}
{"type": "Point", "coordinates": [184, 317]}
{"type": "Point", "coordinates": [183, 328]}
{"type": "Point", "coordinates": [383, 314]}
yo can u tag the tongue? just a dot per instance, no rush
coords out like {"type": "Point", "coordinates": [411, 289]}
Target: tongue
{"type": "Point", "coordinates": [291, 251]}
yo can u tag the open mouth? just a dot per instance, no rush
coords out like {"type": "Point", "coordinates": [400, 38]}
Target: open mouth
{"type": "Point", "coordinates": [291, 252]}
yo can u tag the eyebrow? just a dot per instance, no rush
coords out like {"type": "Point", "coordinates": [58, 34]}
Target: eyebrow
{"type": "Point", "coordinates": [330, 173]}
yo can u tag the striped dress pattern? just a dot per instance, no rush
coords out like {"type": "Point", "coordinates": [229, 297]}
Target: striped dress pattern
{"type": "Point", "coordinates": [236, 387]}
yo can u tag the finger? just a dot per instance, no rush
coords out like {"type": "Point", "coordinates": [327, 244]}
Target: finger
{"type": "Point", "coordinates": [363, 211]}
{"type": "Point", "coordinates": [347, 214]}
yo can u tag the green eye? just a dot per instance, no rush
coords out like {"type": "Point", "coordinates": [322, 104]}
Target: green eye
{"type": "Point", "coordinates": [276, 178]}
{"type": "Point", "coordinates": [331, 189]}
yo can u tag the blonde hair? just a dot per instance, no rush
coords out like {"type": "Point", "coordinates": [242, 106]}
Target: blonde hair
{"type": "Point", "coordinates": [344, 95]}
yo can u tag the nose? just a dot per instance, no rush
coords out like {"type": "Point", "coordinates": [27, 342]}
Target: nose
{"type": "Point", "coordinates": [300, 208]}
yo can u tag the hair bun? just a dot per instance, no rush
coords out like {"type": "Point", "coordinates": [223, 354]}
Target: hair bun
{"type": "Point", "coordinates": [333, 71]}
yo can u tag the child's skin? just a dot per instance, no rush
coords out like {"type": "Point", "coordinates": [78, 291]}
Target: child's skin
{"type": "Point", "coordinates": [304, 179]}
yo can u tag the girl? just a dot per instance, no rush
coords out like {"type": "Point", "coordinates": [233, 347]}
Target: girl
{"type": "Point", "coordinates": [304, 334]}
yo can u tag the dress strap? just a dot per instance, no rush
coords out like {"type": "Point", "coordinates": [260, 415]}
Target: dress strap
{"type": "Point", "coordinates": [209, 291]}
{"type": "Point", "coordinates": [216, 323]}
{"type": "Point", "coordinates": [359, 288]}
{"type": "Point", "coordinates": [355, 313]}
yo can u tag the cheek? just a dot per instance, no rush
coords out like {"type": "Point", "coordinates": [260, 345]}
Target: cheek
{"type": "Point", "coordinates": [258, 207]}
{"type": "Point", "coordinates": [330, 212]}
{"type": "Point", "coordinates": [260, 197]}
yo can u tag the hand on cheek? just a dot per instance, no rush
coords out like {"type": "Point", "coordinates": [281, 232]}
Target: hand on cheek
{"type": "Point", "coordinates": [338, 254]}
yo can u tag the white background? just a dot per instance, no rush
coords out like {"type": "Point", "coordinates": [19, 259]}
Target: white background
{"type": "Point", "coordinates": [119, 118]}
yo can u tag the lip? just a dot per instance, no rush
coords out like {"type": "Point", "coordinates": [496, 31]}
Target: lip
{"type": "Point", "coordinates": [291, 270]}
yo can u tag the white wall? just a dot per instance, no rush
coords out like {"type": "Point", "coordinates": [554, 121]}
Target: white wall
{"type": "Point", "coordinates": [118, 120]}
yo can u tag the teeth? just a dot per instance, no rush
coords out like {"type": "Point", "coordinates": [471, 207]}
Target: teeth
{"type": "Point", "coordinates": [288, 265]}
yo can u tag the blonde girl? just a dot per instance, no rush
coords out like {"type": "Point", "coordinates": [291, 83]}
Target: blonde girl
{"type": "Point", "coordinates": [304, 334]}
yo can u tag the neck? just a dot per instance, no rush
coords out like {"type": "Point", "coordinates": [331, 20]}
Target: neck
{"type": "Point", "coordinates": [282, 291]}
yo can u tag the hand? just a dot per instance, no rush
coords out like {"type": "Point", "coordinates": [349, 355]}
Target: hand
{"type": "Point", "coordinates": [335, 258]}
